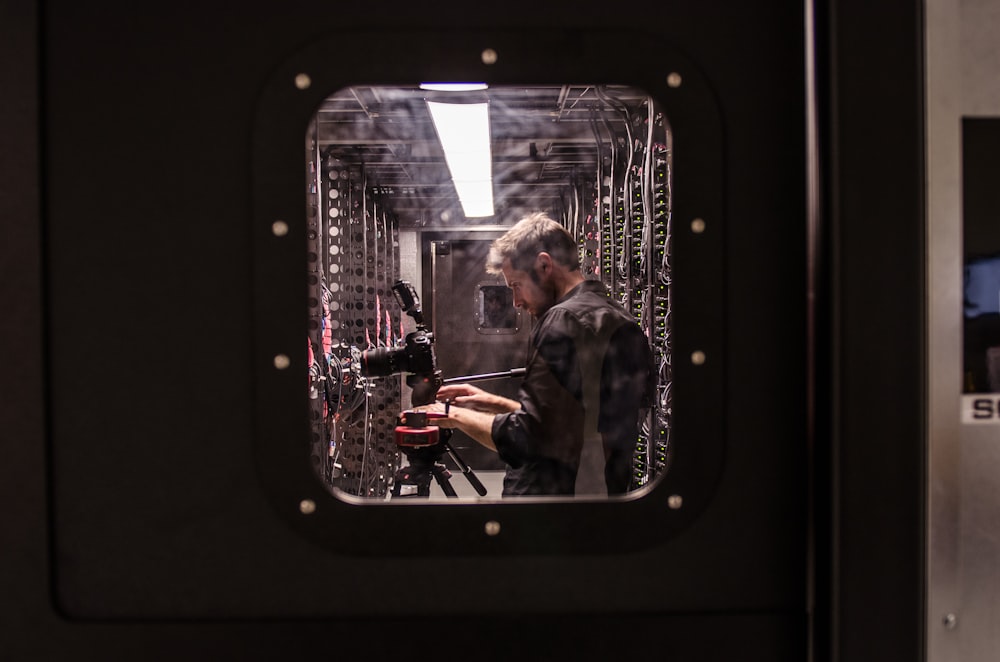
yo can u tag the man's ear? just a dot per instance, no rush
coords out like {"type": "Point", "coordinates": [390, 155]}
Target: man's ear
{"type": "Point", "coordinates": [543, 262]}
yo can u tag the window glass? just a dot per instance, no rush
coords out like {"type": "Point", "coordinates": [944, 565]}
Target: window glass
{"type": "Point", "coordinates": [404, 209]}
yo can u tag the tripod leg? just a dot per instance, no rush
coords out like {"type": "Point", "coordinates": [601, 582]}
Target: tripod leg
{"type": "Point", "coordinates": [466, 470]}
{"type": "Point", "coordinates": [411, 482]}
{"type": "Point", "coordinates": [442, 475]}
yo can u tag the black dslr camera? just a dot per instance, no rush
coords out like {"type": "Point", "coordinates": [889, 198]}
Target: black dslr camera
{"type": "Point", "coordinates": [415, 356]}
{"type": "Point", "coordinates": [422, 444]}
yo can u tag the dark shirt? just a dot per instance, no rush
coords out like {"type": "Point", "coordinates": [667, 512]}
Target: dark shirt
{"type": "Point", "coordinates": [588, 377]}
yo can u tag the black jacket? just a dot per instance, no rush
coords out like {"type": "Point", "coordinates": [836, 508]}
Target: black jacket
{"type": "Point", "coordinates": [588, 380]}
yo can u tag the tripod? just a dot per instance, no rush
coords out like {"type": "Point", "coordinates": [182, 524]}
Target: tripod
{"type": "Point", "coordinates": [415, 479]}
{"type": "Point", "coordinates": [424, 445]}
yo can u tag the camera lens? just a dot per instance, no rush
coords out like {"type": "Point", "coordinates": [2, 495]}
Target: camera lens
{"type": "Point", "coordinates": [383, 361]}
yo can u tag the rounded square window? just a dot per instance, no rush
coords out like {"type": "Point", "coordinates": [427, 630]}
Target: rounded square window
{"type": "Point", "coordinates": [383, 213]}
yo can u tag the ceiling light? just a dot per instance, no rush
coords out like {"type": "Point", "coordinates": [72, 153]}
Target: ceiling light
{"type": "Point", "coordinates": [464, 132]}
{"type": "Point", "coordinates": [453, 87]}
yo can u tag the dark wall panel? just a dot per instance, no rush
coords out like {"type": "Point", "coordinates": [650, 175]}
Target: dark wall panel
{"type": "Point", "coordinates": [145, 525]}
{"type": "Point", "coordinates": [871, 443]}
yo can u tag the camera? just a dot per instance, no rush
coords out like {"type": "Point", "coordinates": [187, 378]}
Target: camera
{"type": "Point", "coordinates": [415, 356]}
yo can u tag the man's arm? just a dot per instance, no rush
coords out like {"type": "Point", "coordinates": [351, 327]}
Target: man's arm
{"type": "Point", "coordinates": [476, 424]}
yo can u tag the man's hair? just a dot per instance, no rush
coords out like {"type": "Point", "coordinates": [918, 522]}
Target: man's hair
{"type": "Point", "coordinates": [530, 236]}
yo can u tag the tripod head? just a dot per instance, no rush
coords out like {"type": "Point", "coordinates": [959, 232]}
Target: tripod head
{"type": "Point", "coordinates": [424, 445]}
{"type": "Point", "coordinates": [414, 432]}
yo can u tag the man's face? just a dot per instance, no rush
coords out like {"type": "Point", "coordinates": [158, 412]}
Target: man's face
{"type": "Point", "coordinates": [535, 295]}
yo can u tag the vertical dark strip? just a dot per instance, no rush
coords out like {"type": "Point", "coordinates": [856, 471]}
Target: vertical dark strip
{"type": "Point", "coordinates": [23, 519]}
{"type": "Point", "coordinates": [872, 160]}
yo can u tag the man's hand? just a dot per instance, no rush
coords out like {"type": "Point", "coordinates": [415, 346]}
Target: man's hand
{"type": "Point", "coordinates": [436, 408]}
{"type": "Point", "coordinates": [472, 397]}
{"type": "Point", "coordinates": [476, 424]}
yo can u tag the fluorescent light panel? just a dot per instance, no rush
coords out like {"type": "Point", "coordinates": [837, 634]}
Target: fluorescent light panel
{"type": "Point", "coordinates": [464, 132]}
{"type": "Point", "coordinates": [453, 87]}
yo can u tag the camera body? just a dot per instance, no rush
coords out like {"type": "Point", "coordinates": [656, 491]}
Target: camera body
{"type": "Point", "coordinates": [415, 355]}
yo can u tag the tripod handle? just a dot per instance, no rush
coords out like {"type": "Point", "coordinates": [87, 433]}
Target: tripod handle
{"type": "Point", "coordinates": [475, 482]}
{"type": "Point", "coordinates": [466, 470]}
{"type": "Point", "coordinates": [513, 372]}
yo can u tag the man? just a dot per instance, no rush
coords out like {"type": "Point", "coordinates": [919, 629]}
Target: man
{"type": "Point", "coordinates": [574, 427]}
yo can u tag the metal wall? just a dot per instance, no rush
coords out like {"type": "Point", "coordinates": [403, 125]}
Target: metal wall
{"type": "Point", "coordinates": [963, 80]}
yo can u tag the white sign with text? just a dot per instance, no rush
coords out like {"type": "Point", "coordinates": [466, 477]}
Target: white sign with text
{"type": "Point", "coordinates": [981, 408]}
